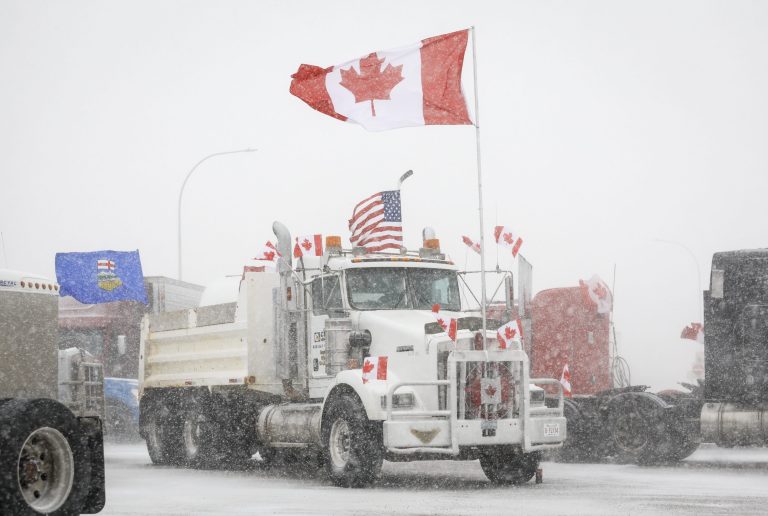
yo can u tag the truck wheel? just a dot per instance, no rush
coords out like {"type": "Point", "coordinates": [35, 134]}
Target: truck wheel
{"type": "Point", "coordinates": [636, 427]}
{"type": "Point", "coordinates": [163, 435]}
{"type": "Point", "coordinates": [196, 438]}
{"type": "Point", "coordinates": [352, 444]}
{"type": "Point", "coordinates": [506, 465]}
{"type": "Point", "coordinates": [45, 465]}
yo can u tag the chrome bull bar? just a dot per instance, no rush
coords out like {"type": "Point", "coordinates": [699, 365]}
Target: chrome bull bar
{"type": "Point", "coordinates": [524, 414]}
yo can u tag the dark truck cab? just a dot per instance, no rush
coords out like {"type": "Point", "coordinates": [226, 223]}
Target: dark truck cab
{"type": "Point", "coordinates": [735, 411]}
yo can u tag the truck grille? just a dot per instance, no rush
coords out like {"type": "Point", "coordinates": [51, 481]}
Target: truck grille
{"type": "Point", "coordinates": [485, 390]}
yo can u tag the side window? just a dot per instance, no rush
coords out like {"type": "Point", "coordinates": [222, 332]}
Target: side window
{"type": "Point", "coordinates": [326, 294]}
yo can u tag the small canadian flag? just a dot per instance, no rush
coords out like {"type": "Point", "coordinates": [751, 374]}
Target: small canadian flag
{"type": "Point", "coordinates": [269, 253]}
{"type": "Point", "coordinates": [510, 332]}
{"type": "Point", "coordinates": [565, 381]}
{"type": "Point", "coordinates": [374, 368]}
{"type": "Point", "coordinates": [448, 324]}
{"type": "Point", "coordinates": [507, 238]}
{"type": "Point", "coordinates": [308, 245]}
{"type": "Point", "coordinates": [694, 331]}
{"type": "Point", "coordinates": [475, 246]}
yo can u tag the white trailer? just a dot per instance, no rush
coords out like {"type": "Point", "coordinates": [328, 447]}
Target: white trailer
{"type": "Point", "coordinates": [339, 362]}
{"type": "Point", "coordinates": [51, 451]}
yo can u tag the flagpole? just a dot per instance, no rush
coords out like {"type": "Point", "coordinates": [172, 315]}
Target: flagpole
{"type": "Point", "coordinates": [479, 185]}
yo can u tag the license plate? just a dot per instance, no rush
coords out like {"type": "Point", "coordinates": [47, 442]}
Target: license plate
{"type": "Point", "coordinates": [551, 430]}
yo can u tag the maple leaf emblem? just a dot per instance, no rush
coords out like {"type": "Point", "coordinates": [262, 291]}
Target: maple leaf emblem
{"type": "Point", "coordinates": [367, 367]}
{"type": "Point", "coordinates": [490, 391]}
{"type": "Point", "coordinates": [306, 244]}
{"type": "Point", "coordinates": [269, 255]}
{"type": "Point", "coordinates": [509, 333]}
{"type": "Point", "coordinates": [508, 238]}
{"type": "Point", "coordinates": [371, 83]}
{"type": "Point", "coordinates": [600, 291]}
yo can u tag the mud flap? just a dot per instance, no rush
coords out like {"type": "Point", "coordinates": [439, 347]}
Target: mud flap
{"type": "Point", "coordinates": [94, 437]}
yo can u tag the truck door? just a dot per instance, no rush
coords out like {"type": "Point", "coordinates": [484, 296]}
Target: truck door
{"type": "Point", "coordinates": [326, 297]}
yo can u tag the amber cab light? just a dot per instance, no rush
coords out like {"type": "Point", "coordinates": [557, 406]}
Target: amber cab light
{"type": "Point", "coordinates": [432, 243]}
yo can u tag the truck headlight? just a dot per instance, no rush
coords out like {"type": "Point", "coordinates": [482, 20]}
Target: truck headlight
{"type": "Point", "coordinates": [400, 401]}
{"type": "Point", "coordinates": [537, 396]}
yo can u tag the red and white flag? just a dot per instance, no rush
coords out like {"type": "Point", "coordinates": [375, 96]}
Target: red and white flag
{"type": "Point", "coordinates": [415, 85]}
{"type": "Point", "coordinates": [107, 265]}
{"type": "Point", "coordinates": [377, 222]}
{"type": "Point", "coordinates": [448, 324]}
{"type": "Point", "coordinates": [269, 253]}
{"type": "Point", "coordinates": [374, 368]}
{"type": "Point", "coordinates": [509, 333]}
{"type": "Point", "coordinates": [475, 246]}
{"type": "Point", "coordinates": [599, 293]}
{"type": "Point", "coordinates": [308, 245]}
{"type": "Point", "coordinates": [565, 381]}
{"type": "Point", "coordinates": [694, 331]}
{"type": "Point", "coordinates": [507, 238]}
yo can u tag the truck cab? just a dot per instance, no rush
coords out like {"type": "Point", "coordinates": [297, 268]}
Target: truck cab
{"type": "Point", "coordinates": [343, 354]}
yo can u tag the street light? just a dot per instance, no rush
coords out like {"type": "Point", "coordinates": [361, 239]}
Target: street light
{"type": "Point", "coordinates": [181, 192]}
{"type": "Point", "coordinates": [699, 293]}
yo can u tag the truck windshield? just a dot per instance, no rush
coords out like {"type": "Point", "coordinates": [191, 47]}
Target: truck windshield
{"type": "Point", "coordinates": [390, 288]}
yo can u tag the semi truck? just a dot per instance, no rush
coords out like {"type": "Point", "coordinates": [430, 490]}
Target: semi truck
{"type": "Point", "coordinates": [609, 417]}
{"type": "Point", "coordinates": [51, 403]}
{"type": "Point", "coordinates": [339, 362]}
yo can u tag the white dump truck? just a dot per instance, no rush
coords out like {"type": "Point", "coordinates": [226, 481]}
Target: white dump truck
{"type": "Point", "coordinates": [51, 403]}
{"type": "Point", "coordinates": [338, 361]}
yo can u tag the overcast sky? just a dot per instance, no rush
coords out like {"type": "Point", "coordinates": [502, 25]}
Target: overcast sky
{"type": "Point", "coordinates": [605, 127]}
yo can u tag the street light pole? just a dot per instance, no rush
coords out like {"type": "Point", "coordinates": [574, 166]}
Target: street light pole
{"type": "Point", "coordinates": [699, 293]}
{"type": "Point", "coordinates": [184, 184]}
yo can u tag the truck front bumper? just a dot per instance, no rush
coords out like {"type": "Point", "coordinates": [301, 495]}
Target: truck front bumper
{"type": "Point", "coordinates": [401, 435]}
{"type": "Point", "coordinates": [446, 431]}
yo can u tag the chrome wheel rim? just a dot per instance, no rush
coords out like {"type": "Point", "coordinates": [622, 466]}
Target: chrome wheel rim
{"type": "Point", "coordinates": [340, 443]}
{"type": "Point", "coordinates": [46, 470]}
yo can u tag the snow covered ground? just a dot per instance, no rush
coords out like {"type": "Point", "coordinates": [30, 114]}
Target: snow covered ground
{"type": "Point", "coordinates": [712, 481]}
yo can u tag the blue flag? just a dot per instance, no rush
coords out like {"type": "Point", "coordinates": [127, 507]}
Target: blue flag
{"type": "Point", "coordinates": [101, 276]}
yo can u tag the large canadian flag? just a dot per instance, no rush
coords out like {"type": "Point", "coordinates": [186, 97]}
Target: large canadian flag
{"type": "Point", "coordinates": [415, 85]}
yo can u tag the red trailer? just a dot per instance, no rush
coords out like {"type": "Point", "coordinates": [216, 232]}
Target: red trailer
{"type": "Point", "coordinates": [568, 330]}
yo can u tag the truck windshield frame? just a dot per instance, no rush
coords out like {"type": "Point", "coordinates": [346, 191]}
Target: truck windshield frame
{"type": "Point", "coordinates": [402, 288]}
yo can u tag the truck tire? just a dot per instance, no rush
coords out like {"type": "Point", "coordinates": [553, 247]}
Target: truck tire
{"type": "Point", "coordinates": [45, 465]}
{"type": "Point", "coordinates": [505, 465]}
{"type": "Point", "coordinates": [163, 435]}
{"type": "Point", "coordinates": [636, 427]}
{"type": "Point", "coordinates": [353, 451]}
{"type": "Point", "coordinates": [197, 436]}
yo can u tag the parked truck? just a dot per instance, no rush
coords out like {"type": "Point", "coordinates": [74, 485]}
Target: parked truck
{"type": "Point", "coordinates": [608, 418]}
{"type": "Point", "coordinates": [339, 362]}
{"type": "Point", "coordinates": [51, 447]}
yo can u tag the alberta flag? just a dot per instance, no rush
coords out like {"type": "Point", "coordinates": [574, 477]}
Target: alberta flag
{"type": "Point", "coordinates": [101, 276]}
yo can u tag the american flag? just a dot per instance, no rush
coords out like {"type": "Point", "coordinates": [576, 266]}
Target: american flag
{"type": "Point", "coordinates": [377, 223]}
